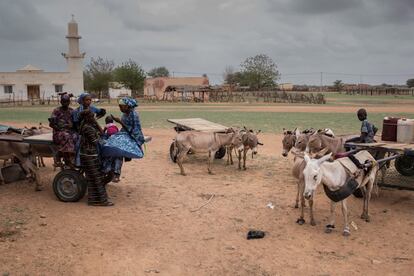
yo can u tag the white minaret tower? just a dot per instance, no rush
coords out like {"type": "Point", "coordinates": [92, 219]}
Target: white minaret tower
{"type": "Point", "coordinates": [74, 59]}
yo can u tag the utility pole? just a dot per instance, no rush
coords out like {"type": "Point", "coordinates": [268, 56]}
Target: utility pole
{"type": "Point", "coordinates": [360, 84]}
{"type": "Point", "coordinates": [320, 87]}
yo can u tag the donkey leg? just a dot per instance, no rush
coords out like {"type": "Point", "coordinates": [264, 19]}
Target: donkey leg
{"type": "Point", "coordinates": [231, 155]}
{"type": "Point", "coordinates": [228, 152]}
{"type": "Point", "coordinates": [346, 231]}
{"type": "Point", "coordinates": [180, 159]}
{"type": "Point", "coordinates": [301, 219]}
{"type": "Point", "coordinates": [297, 195]}
{"type": "Point", "coordinates": [364, 207]}
{"type": "Point", "coordinates": [367, 198]}
{"type": "Point", "coordinates": [211, 155]}
{"type": "Point", "coordinates": [312, 219]}
{"type": "Point", "coordinates": [244, 159]}
{"type": "Point", "coordinates": [239, 156]}
{"type": "Point", "coordinates": [329, 227]}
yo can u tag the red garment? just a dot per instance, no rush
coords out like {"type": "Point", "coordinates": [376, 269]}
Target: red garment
{"type": "Point", "coordinates": [111, 129]}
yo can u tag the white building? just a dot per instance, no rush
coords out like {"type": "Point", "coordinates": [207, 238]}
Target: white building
{"type": "Point", "coordinates": [31, 82]}
{"type": "Point", "coordinates": [117, 90]}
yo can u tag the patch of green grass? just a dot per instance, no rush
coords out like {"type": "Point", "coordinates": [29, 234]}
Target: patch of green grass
{"type": "Point", "coordinates": [341, 123]}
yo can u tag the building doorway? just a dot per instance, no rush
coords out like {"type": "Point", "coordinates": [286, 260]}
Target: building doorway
{"type": "Point", "coordinates": [33, 92]}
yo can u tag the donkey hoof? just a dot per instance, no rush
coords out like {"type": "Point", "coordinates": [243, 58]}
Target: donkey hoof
{"type": "Point", "coordinates": [366, 217]}
{"type": "Point", "coordinates": [300, 221]}
{"type": "Point", "coordinates": [296, 206]}
{"type": "Point", "coordinates": [313, 223]}
{"type": "Point", "coordinates": [244, 169]}
{"type": "Point", "coordinates": [329, 228]}
{"type": "Point", "coordinates": [346, 233]}
{"type": "Point", "coordinates": [38, 189]}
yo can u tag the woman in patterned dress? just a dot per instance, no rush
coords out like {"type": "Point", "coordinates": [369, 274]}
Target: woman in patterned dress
{"type": "Point", "coordinates": [127, 142]}
{"type": "Point", "coordinates": [64, 135]}
{"type": "Point", "coordinates": [90, 160]}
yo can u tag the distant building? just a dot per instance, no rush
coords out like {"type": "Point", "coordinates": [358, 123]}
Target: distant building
{"type": "Point", "coordinates": [117, 90]}
{"type": "Point", "coordinates": [155, 87]}
{"type": "Point", "coordinates": [286, 86]}
{"type": "Point", "coordinates": [31, 82]}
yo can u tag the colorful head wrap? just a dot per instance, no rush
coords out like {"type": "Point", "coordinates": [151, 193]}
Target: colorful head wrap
{"type": "Point", "coordinates": [82, 96]}
{"type": "Point", "coordinates": [128, 101]}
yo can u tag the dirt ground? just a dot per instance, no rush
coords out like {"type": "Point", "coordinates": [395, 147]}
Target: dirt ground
{"type": "Point", "coordinates": [155, 227]}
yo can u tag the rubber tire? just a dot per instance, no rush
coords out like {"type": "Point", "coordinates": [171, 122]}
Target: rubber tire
{"type": "Point", "coordinates": [405, 165]}
{"type": "Point", "coordinates": [358, 193]}
{"type": "Point", "coordinates": [78, 180]}
{"type": "Point", "coordinates": [220, 153]}
{"type": "Point", "coordinates": [172, 153]}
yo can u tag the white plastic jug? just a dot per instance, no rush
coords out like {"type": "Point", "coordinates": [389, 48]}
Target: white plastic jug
{"type": "Point", "coordinates": [405, 131]}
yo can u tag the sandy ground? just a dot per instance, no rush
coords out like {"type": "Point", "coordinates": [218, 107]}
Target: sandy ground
{"type": "Point", "coordinates": [155, 229]}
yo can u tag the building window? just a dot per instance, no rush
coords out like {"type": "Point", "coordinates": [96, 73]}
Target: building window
{"type": "Point", "coordinates": [58, 88]}
{"type": "Point", "coordinates": [8, 89]}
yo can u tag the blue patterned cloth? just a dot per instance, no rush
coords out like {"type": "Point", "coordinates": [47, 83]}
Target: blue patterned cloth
{"type": "Point", "coordinates": [127, 142]}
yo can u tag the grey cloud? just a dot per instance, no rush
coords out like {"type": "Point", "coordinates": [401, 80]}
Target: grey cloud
{"type": "Point", "coordinates": [367, 36]}
{"type": "Point", "coordinates": [323, 6]}
{"type": "Point", "coordinates": [20, 21]}
{"type": "Point", "coordinates": [134, 16]}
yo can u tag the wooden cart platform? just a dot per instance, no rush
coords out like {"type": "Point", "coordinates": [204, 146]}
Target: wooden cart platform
{"type": "Point", "coordinates": [401, 148]}
{"type": "Point", "coordinates": [197, 124]}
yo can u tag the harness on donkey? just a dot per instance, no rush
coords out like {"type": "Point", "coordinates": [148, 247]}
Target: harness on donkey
{"type": "Point", "coordinates": [358, 167]}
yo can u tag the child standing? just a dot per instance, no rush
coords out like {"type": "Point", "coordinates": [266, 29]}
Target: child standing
{"type": "Point", "coordinates": [112, 163]}
{"type": "Point", "coordinates": [110, 128]}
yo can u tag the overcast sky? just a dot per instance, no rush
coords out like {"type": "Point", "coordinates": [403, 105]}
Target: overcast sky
{"type": "Point", "coordinates": [370, 37]}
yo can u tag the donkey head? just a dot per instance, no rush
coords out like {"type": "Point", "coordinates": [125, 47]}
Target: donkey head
{"type": "Point", "coordinates": [312, 174]}
{"type": "Point", "coordinates": [288, 141]}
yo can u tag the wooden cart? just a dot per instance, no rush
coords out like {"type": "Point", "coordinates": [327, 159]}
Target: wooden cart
{"type": "Point", "coordinates": [69, 185]}
{"type": "Point", "coordinates": [197, 124]}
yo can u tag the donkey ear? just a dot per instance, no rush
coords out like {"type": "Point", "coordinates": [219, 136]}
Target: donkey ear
{"type": "Point", "coordinates": [258, 131]}
{"type": "Point", "coordinates": [307, 158]}
{"type": "Point", "coordinates": [324, 158]}
{"type": "Point", "coordinates": [297, 132]}
{"type": "Point", "coordinates": [284, 131]}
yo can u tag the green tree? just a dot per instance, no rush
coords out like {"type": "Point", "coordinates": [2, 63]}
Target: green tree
{"type": "Point", "coordinates": [338, 85]}
{"type": "Point", "coordinates": [259, 71]}
{"type": "Point", "coordinates": [97, 75]}
{"type": "Point", "coordinates": [159, 72]}
{"type": "Point", "coordinates": [131, 76]}
{"type": "Point", "coordinates": [410, 83]}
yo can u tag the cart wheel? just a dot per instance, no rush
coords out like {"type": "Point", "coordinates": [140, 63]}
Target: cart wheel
{"type": "Point", "coordinates": [405, 165]}
{"type": "Point", "coordinates": [173, 156]}
{"type": "Point", "coordinates": [69, 185]}
{"type": "Point", "coordinates": [358, 193]}
{"type": "Point", "coordinates": [220, 153]}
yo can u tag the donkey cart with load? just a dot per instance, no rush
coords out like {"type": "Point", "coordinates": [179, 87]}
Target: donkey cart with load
{"type": "Point", "coordinates": [399, 176]}
{"type": "Point", "coordinates": [69, 185]}
{"type": "Point", "coordinates": [197, 124]}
